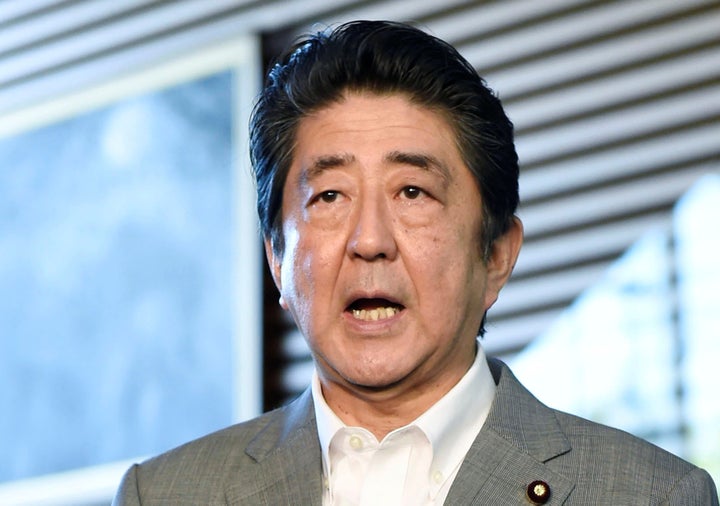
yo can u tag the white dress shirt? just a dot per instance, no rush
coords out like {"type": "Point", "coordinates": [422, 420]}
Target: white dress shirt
{"type": "Point", "coordinates": [412, 465]}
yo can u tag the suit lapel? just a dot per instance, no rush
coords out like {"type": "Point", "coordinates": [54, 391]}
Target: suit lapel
{"type": "Point", "coordinates": [289, 463]}
{"type": "Point", "coordinates": [518, 438]}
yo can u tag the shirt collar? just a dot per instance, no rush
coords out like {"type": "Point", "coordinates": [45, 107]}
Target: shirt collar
{"type": "Point", "coordinates": [451, 424]}
{"type": "Point", "coordinates": [328, 423]}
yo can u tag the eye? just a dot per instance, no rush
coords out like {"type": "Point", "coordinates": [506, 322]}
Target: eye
{"type": "Point", "coordinates": [411, 192]}
{"type": "Point", "coordinates": [328, 196]}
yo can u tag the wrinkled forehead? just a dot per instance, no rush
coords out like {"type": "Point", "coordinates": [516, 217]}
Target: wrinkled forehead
{"type": "Point", "coordinates": [387, 128]}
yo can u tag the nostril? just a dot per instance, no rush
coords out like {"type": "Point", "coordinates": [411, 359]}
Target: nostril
{"type": "Point", "coordinates": [371, 257]}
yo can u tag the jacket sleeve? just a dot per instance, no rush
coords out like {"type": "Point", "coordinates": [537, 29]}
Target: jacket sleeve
{"type": "Point", "coordinates": [128, 494]}
{"type": "Point", "coordinates": [695, 489]}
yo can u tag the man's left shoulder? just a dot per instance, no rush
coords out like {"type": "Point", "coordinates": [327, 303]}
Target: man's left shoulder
{"type": "Point", "coordinates": [604, 465]}
{"type": "Point", "coordinates": [630, 465]}
{"type": "Point", "coordinates": [589, 437]}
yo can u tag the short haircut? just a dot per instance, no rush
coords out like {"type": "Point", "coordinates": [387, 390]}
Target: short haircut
{"type": "Point", "coordinates": [383, 57]}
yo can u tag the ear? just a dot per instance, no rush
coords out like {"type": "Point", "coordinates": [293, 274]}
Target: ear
{"type": "Point", "coordinates": [504, 254]}
{"type": "Point", "coordinates": [275, 264]}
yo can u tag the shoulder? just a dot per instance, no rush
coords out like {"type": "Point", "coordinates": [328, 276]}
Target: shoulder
{"type": "Point", "coordinates": [206, 465]}
{"type": "Point", "coordinates": [589, 438]}
{"type": "Point", "coordinates": [605, 458]}
{"type": "Point", "coordinates": [236, 441]}
{"type": "Point", "coordinates": [607, 465]}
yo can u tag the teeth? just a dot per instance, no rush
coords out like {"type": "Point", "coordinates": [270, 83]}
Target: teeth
{"type": "Point", "coordinates": [374, 315]}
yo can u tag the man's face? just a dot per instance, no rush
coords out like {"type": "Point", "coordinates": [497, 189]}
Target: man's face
{"type": "Point", "coordinates": [382, 267]}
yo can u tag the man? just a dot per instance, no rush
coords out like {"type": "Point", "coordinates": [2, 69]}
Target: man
{"type": "Point", "coordinates": [387, 187]}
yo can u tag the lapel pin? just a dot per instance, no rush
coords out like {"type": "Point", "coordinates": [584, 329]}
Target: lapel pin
{"type": "Point", "coordinates": [538, 492]}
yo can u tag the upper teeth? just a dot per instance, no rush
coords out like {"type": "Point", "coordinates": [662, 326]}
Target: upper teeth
{"type": "Point", "coordinates": [374, 314]}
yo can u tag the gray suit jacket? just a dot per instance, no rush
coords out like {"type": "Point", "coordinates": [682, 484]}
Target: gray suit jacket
{"type": "Point", "coordinates": [275, 460]}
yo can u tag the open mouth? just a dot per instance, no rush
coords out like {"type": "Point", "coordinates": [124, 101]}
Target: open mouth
{"type": "Point", "coordinates": [373, 309]}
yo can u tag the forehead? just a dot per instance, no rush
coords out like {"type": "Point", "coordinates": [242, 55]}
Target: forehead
{"type": "Point", "coordinates": [365, 128]}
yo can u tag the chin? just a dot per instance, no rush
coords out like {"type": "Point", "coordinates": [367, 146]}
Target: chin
{"type": "Point", "coordinates": [374, 379]}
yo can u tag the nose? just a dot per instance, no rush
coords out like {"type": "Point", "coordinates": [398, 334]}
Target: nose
{"type": "Point", "coordinates": [372, 236]}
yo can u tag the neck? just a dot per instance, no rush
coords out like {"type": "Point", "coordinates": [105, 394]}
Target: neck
{"type": "Point", "coordinates": [382, 410]}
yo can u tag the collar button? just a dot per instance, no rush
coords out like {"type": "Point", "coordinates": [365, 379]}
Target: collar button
{"type": "Point", "coordinates": [355, 442]}
{"type": "Point", "coordinates": [437, 477]}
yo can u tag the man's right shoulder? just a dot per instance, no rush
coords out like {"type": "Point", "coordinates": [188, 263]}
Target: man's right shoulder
{"type": "Point", "coordinates": [212, 459]}
{"type": "Point", "coordinates": [199, 471]}
{"type": "Point", "coordinates": [230, 444]}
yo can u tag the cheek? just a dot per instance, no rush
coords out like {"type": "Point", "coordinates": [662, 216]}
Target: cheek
{"type": "Point", "coordinates": [449, 245]}
{"type": "Point", "coordinates": [308, 270]}
{"type": "Point", "coordinates": [291, 274]}
{"type": "Point", "coordinates": [430, 263]}
{"type": "Point", "coordinates": [446, 264]}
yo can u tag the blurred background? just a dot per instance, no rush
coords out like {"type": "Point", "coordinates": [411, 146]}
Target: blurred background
{"type": "Point", "coordinates": [136, 311]}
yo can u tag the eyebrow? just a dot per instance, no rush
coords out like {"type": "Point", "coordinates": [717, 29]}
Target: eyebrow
{"type": "Point", "coordinates": [421, 161]}
{"type": "Point", "coordinates": [323, 163]}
